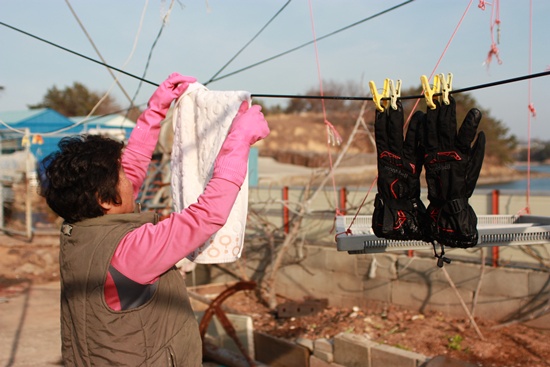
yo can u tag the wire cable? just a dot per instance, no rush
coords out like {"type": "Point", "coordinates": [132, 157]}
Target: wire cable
{"type": "Point", "coordinates": [248, 43]}
{"type": "Point", "coordinates": [142, 79]}
{"type": "Point", "coordinates": [333, 137]}
{"type": "Point", "coordinates": [223, 76]}
{"type": "Point", "coordinates": [86, 120]}
{"type": "Point", "coordinates": [531, 113]}
{"type": "Point", "coordinates": [361, 98]}
{"type": "Point", "coordinates": [312, 41]}
{"type": "Point", "coordinates": [97, 50]}
{"type": "Point", "coordinates": [441, 57]}
{"type": "Point", "coordinates": [77, 54]}
{"type": "Point", "coordinates": [261, 95]}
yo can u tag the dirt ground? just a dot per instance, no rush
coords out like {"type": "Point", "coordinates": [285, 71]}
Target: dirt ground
{"type": "Point", "coordinates": [23, 263]}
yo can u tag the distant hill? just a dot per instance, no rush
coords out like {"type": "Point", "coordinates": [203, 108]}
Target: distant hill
{"type": "Point", "coordinates": [301, 139]}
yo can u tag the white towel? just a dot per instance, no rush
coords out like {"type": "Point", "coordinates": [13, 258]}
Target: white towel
{"type": "Point", "coordinates": [201, 121]}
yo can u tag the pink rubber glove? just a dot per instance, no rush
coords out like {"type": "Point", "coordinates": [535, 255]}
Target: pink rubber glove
{"type": "Point", "coordinates": [248, 127]}
{"type": "Point", "coordinates": [170, 89]}
{"type": "Point", "coordinates": [148, 124]}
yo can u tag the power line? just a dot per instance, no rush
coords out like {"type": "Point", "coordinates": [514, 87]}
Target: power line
{"type": "Point", "coordinates": [97, 50]}
{"type": "Point", "coordinates": [226, 75]}
{"type": "Point", "coordinates": [361, 98]}
{"type": "Point", "coordinates": [258, 95]}
{"type": "Point", "coordinates": [78, 54]}
{"type": "Point", "coordinates": [310, 42]}
{"type": "Point", "coordinates": [164, 20]}
{"type": "Point", "coordinates": [248, 43]}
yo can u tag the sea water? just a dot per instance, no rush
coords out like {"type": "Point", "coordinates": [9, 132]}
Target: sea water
{"type": "Point", "coordinates": [536, 184]}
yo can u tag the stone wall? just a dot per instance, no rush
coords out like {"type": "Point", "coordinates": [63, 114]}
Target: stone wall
{"type": "Point", "coordinates": [412, 282]}
{"type": "Point", "coordinates": [519, 285]}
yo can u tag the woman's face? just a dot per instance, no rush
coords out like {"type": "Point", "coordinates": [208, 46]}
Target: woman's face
{"type": "Point", "coordinates": [126, 193]}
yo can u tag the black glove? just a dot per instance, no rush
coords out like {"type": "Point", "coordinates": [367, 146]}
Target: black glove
{"type": "Point", "coordinates": [452, 169]}
{"type": "Point", "coordinates": [397, 208]}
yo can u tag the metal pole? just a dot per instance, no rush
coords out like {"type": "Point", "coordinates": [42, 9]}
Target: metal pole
{"type": "Point", "coordinates": [1, 204]}
{"type": "Point", "coordinates": [495, 207]}
{"type": "Point", "coordinates": [343, 200]}
{"type": "Point", "coordinates": [286, 212]}
{"type": "Point", "coordinates": [28, 206]}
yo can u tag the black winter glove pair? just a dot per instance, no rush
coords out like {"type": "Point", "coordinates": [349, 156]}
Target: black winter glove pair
{"type": "Point", "coordinates": [452, 169]}
{"type": "Point", "coordinates": [398, 210]}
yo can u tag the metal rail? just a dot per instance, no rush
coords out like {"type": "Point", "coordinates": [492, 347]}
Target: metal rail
{"type": "Point", "coordinates": [494, 230]}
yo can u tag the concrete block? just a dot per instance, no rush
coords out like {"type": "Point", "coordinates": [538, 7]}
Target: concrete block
{"type": "Point", "coordinates": [364, 266]}
{"type": "Point", "coordinates": [323, 349]}
{"type": "Point", "coordinates": [415, 269]}
{"type": "Point", "coordinates": [318, 226]}
{"type": "Point", "coordinates": [543, 321]}
{"type": "Point", "coordinates": [378, 289]}
{"type": "Point", "coordinates": [340, 261]}
{"type": "Point", "coordinates": [411, 294]}
{"type": "Point", "coordinates": [317, 283]}
{"type": "Point", "coordinates": [383, 355]}
{"type": "Point", "coordinates": [425, 270]}
{"type": "Point", "coordinates": [289, 284]}
{"type": "Point", "coordinates": [384, 266]}
{"type": "Point", "coordinates": [352, 350]}
{"type": "Point", "coordinates": [363, 262]}
{"type": "Point", "coordinates": [506, 282]}
{"type": "Point", "coordinates": [539, 283]}
{"type": "Point", "coordinates": [277, 352]}
{"type": "Point", "coordinates": [464, 276]}
{"type": "Point", "coordinates": [445, 299]}
{"type": "Point", "coordinates": [378, 266]}
{"type": "Point", "coordinates": [305, 342]}
{"type": "Point", "coordinates": [497, 307]}
{"type": "Point", "coordinates": [316, 258]}
{"type": "Point", "coordinates": [317, 362]}
{"type": "Point", "coordinates": [323, 344]}
{"type": "Point", "coordinates": [435, 297]}
{"type": "Point", "coordinates": [322, 355]}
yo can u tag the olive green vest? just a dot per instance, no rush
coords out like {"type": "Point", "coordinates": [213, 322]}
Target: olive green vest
{"type": "Point", "coordinates": [162, 332]}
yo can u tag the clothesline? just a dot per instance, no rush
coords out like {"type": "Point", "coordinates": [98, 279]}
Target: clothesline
{"type": "Point", "coordinates": [363, 98]}
{"type": "Point", "coordinates": [261, 95]}
{"type": "Point", "coordinates": [311, 42]}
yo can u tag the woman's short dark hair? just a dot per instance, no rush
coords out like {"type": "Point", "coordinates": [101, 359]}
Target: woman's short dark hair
{"type": "Point", "coordinates": [80, 175]}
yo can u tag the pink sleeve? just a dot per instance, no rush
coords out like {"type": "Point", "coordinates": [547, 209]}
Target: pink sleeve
{"type": "Point", "coordinates": [139, 151]}
{"type": "Point", "coordinates": [150, 250]}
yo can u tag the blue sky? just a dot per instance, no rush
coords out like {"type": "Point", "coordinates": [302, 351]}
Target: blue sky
{"type": "Point", "coordinates": [201, 36]}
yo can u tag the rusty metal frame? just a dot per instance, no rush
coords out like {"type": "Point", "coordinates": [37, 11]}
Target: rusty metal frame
{"type": "Point", "coordinates": [215, 308]}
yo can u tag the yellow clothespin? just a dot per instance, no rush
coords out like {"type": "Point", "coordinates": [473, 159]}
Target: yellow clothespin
{"type": "Point", "coordinates": [37, 139]}
{"type": "Point", "coordinates": [428, 91]}
{"type": "Point", "coordinates": [25, 141]}
{"type": "Point", "coordinates": [395, 92]}
{"type": "Point", "coordinates": [446, 87]}
{"type": "Point", "coordinates": [376, 97]}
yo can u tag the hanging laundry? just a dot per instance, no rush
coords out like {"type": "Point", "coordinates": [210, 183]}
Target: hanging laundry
{"type": "Point", "coordinates": [201, 121]}
{"type": "Point", "coordinates": [452, 166]}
